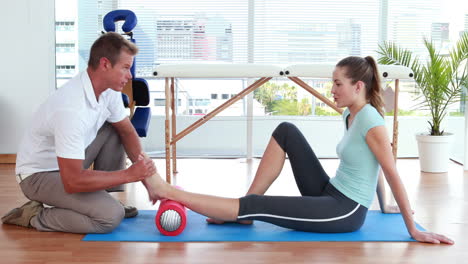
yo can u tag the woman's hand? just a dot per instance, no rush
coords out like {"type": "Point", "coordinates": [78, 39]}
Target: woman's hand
{"type": "Point", "coordinates": [429, 237]}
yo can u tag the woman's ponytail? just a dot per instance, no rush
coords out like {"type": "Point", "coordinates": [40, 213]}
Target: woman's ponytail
{"type": "Point", "coordinates": [374, 93]}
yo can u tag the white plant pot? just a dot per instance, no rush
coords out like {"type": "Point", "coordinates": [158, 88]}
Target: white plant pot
{"type": "Point", "coordinates": [434, 152]}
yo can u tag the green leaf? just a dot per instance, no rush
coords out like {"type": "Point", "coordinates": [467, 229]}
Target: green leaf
{"type": "Point", "coordinates": [440, 80]}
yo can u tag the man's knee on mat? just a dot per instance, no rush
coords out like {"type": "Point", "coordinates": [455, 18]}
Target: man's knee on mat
{"type": "Point", "coordinates": [109, 218]}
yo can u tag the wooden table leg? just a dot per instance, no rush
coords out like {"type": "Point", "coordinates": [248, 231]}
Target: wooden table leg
{"type": "Point", "coordinates": [395, 121]}
{"type": "Point", "coordinates": [173, 128]}
{"type": "Point", "coordinates": [168, 133]}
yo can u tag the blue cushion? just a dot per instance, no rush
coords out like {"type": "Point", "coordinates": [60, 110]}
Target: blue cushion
{"type": "Point", "coordinates": [141, 119]}
{"type": "Point", "coordinates": [118, 15]}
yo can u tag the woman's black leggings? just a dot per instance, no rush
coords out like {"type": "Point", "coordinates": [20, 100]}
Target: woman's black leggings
{"type": "Point", "coordinates": [321, 208]}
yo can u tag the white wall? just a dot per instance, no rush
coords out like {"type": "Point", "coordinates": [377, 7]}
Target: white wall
{"type": "Point", "coordinates": [27, 71]}
{"type": "Point", "coordinates": [457, 126]}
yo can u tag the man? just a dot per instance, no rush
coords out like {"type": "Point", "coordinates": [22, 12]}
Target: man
{"type": "Point", "coordinates": [83, 122]}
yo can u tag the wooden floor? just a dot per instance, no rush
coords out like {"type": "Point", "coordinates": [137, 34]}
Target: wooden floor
{"type": "Point", "coordinates": [440, 202]}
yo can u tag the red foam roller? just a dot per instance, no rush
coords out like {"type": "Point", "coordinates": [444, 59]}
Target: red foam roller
{"type": "Point", "coordinates": [171, 218]}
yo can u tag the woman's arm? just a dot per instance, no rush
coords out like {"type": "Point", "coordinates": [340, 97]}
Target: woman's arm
{"type": "Point", "coordinates": [378, 142]}
{"type": "Point", "coordinates": [386, 201]}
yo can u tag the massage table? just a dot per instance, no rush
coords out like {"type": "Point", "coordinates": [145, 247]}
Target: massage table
{"type": "Point", "coordinates": [261, 73]}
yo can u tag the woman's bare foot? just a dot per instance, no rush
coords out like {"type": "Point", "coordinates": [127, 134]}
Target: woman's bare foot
{"type": "Point", "coordinates": [157, 187]}
{"type": "Point", "coordinates": [393, 209]}
{"type": "Point", "coordinates": [220, 222]}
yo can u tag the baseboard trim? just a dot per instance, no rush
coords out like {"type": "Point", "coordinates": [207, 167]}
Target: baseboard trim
{"type": "Point", "coordinates": [7, 158]}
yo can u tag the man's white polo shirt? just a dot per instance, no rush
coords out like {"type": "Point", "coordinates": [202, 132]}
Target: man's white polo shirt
{"type": "Point", "coordinates": [65, 124]}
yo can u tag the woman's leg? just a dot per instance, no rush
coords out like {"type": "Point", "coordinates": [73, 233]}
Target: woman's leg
{"type": "Point", "coordinates": [331, 212]}
{"type": "Point", "coordinates": [311, 178]}
{"type": "Point", "coordinates": [309, 174]}
{"type": "Point", "coordinates": [269, 168]}
{"type": "Point", "coordinates": [273, 159]}
{"type": "Point", "coordinates": [215, 207]}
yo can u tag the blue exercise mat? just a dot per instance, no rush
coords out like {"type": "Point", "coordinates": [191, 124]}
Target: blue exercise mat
{"type": "Point", "coordinates": [378, 227]}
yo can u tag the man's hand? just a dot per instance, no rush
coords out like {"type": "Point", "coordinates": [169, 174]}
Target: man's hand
{"type": "Point", "coordinates": [143, 168]}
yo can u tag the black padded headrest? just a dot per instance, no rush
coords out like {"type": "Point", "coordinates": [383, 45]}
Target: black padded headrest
{"type": "Point", "coordinates": [141, 94]}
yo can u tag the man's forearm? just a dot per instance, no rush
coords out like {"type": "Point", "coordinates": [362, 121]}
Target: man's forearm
{"type": "Point", "coordinates": [129, 138]}
{"type": "Point", "coordinates": [93, 180]}
{"type": "Point", "coordinates": [132, 145]}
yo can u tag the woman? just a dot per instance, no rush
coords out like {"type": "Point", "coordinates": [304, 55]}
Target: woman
{"type": "Point", "coordinates": [337, 204]}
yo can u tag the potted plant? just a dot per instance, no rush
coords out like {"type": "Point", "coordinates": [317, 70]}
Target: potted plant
{"type": "Point", "coordinates": [441, 80]}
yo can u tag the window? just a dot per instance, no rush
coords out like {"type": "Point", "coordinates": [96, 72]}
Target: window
{"type": "Point", "coordinates": [260, 31]}
{"type": "Point", "coordinates": [209, 30]}
{"type": "Point", "coordinates": [65, 67]}
{"type": "Point", "coordinates": [65, 47]}
{"type": "Point", "coordinates": [65, 70]}
{"type": "Point", "coordinates": [257, 31]}
{"type": "Point", "coordinates": [202, 102]}
{"type": "Point", "coordinates": [160, 102]}
{"type": "Point", "coordinates": [64, 25]}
